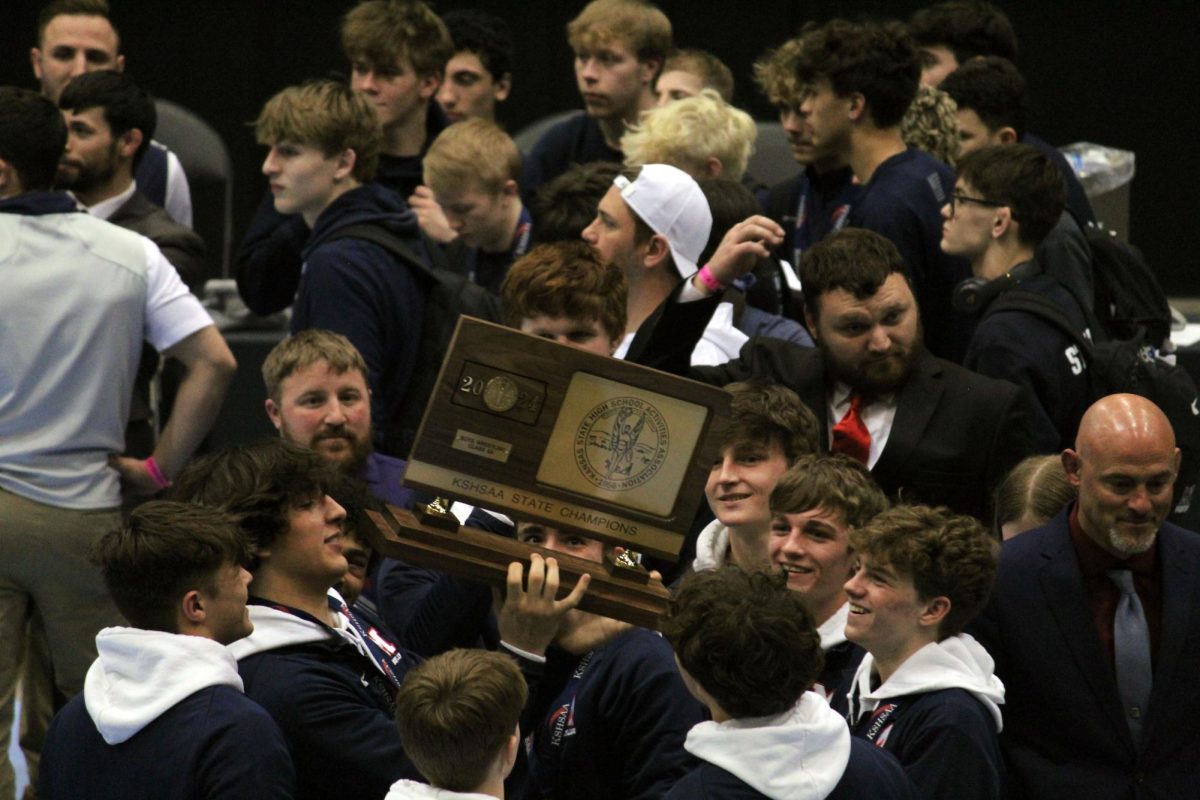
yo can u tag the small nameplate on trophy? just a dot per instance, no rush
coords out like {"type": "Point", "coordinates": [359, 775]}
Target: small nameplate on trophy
{"type": "Point", "coordinates": [546, 432]}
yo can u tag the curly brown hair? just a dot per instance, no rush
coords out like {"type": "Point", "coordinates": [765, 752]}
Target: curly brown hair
{"type": "Point", "coordinates": [944, 555]}
{"type": "Point", "coordinates": [745, 639]}
{"type": "Point", "coordinates": [834, 482]}
{"type": "Point", "coordinates": [763, 413]}
{"type": "Point", "coordinates": [565, 279]}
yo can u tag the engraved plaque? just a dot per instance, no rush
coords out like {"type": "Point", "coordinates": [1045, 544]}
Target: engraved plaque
{"type": "Point", "coordinates": [550, 433]}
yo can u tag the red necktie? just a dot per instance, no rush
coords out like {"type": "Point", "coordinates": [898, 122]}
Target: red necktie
{"type": "Point", "coordinates": [850, 436]}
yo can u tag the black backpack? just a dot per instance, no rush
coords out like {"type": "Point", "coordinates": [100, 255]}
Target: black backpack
{"type": "Point", "coordinates": [450, 295]}
{"type": "Point", "coordinates": [1128, 299]}
{"type": "Point", "coordinates": [1131, 366]}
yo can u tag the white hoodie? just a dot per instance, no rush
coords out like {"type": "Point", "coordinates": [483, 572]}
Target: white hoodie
{"type": "Point", "coordinates": [274, 629]}
{"type": "Point", "coordinates": [959, 662]}
{"type": "Point", "coordinates": [141, 674]}
{"type": "Point", "coordinates": [798, 755]}
{"type": "Point", "coordinates": [711, 547]}
{"type": "Point", "coordinates": [411, 790]}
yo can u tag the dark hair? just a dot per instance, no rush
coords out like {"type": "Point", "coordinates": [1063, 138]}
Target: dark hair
{"type": "Point", "coordinates": [994, 89]}
{"type": "Point", "coordinates": [1021, 177]}
{"type": "Point", "coordinates": [126, 105]}
{"type": "Point", "coordinates": [969, 28]}
{"type": "Point", "coordinates": [834, 482]}
{"type": "Point", "coordinates": [746, 639]}
{"type": "Point", "coordinates": [258, 483]}
{"type": "Point", "coordinates": [855, 260]}
{"type": "Point", "coordinates": [32, 137]}
{"type": "Point", "coordinates": [565, 279]}
{"type": "Point", "coordinates": [878, 61]}
{"type": "Point", "coordinates": [71, 8]}
{"type": "Point", "coordinates": [562, 208]}
{"type": "Point", "coordinates": [765, 413]}
{"type": "Point", "coordinates": [1037, 486]}
{"type": "Point", "coordinates": [456, 711]}
{"type": "Point", "coordinates": [486, 35]}
{"type": "Point", "coordinates": [944, 555]}
{"type": "Point", "coordinates": [163, 551]}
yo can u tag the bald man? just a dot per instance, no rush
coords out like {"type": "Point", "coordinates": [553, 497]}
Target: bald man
{"type": "Point", "coordinates": [1102, 684]}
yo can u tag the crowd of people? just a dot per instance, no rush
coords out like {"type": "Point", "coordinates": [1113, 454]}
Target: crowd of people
{"type": "Point", "coordinates": [932, 560]}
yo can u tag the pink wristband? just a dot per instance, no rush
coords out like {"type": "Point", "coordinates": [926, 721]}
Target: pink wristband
{"type": "Point", "coordinates": [156, 474]}
{"type": "Point", "coordinates": [706, 277]}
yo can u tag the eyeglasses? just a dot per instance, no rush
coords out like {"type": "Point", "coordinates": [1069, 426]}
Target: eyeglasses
{"type": "Point", "coordinates": [956, 198]}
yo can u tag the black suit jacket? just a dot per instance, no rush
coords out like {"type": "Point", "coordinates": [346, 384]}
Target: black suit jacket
{"type": "Point", "coordinates": [1064, 731]}
{"type": "Point", "coordinates": [955, 433]}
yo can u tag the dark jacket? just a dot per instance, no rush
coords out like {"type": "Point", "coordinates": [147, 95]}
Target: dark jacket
{"type": "Point", "coordinates": [213, 744]}
{"type": "Point", "coordinates": [359, 289]}
{"type": "Point", "coordinates": [575, 140]}
{"type": "Point", "coordinates": [267, 264]}
{"type": "Point", "coordinates": [616, 731]}
{"type": "Point", "coordinates": [1065, 733]}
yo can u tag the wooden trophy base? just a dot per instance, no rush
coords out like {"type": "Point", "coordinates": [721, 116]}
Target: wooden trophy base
{"type": "Point", "coordinates": [617, 591]}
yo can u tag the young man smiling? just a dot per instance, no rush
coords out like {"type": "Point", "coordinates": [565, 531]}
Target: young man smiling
{"type": "Point", "coordinates": [770, 428]}
{"type": "Point", "coordinates": [814, 506]}
{"type": "Point", "coordinates": [619, 48]}
{"type": "Point", "coordinates": [926, 691]}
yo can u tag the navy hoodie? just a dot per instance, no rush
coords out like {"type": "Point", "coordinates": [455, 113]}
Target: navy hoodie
{"type": "Point", "coordinates": [359, 289]}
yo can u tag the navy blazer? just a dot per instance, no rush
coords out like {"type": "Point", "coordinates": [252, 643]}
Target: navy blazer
{"type": "Point", "coordinates": [1064, 733]}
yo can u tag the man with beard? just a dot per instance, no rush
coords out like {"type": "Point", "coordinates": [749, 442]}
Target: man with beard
{"type": "Point", "coordinates": [1103, 598]}
{"type": "Point", "coordinates": [317, 396]}
{"type": "Point", "coordinates": [110, 121]}
{"type": "Point", "coordinates": [929, 431]}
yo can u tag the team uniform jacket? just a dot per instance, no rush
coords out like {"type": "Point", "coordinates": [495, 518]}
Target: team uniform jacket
{"type": "Point", "coordinates": [939, 714]}
{"type": "Point", "coordinates": [163, 716]}
{"type": "Point", "coordinates": [608, 724]}
{"type": "Point", "coordinates": [333, 703]}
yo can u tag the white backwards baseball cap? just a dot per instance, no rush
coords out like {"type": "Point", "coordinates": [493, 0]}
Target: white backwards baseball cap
{"type": "Point", "coordinates": [671, 202]}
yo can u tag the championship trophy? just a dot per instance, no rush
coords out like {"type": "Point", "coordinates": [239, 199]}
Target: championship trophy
{"type": "Point", "coordinates": [544, 432]}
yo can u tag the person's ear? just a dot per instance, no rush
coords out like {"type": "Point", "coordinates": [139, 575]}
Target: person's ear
{"type": "Point", "coordinates": [648, 70]}
{"type": "Point", "coordinates": [502, 87]}
{"type": "Point", "coordinates": [1072, 464]}
{"type": "Point", "coordinates": [714, 167]}
{"type": "Point", "coordinates": [1003, 222]}
{"type": "Point", "coordinates": [273, 414]}
{"type": "Point", "coordinates": [857, 106]}
{"type": "Point", "coordinates": [10, 183]}
{"type": "Point", "coordinates": [345, 164]}
{"type": "Point", "coordinates": [1006, 135]}
{"type": "Point", "coordinates": [191, 607]}
{"type": "Point", "coordinates": [935, 611]}
{"type": "Point", "coordinates": [657, 250]}
{"type": "Point", "coordinates": [129, 142]}
{"type": "Point", "coordinates": [429, 85]}
{"type": "Point", "coordinates": [35, 59]}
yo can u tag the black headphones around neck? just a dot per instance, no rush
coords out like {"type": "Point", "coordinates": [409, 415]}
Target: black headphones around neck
{"type": "Point", "coordinates": [973, 295]}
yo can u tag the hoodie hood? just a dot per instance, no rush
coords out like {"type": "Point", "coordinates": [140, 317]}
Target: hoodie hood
{"type": "Point", "coordinates": [959, 662]}
{"type": "Point", "coordinates": [275, 628]}
{"type": "Point", "coordinates": [833, 630]}
{"type": "Point", "coordinates": [371, 203]}
{"type": "Point", "coordinates": [411, 790]}
{"type": "Point", "coordinates": [798, 755]}
{"type": "Point", "coordinates": [141, 674]}
{"type": "Point", "coordinates": [711, 547]}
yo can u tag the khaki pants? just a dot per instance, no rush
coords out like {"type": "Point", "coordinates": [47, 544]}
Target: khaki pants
{"type": "Point", "coordinates": [45, 570]}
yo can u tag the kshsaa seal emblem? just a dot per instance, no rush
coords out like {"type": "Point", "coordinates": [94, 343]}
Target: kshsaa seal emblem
{"type": "Point", "coordinates": [621, 443]}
